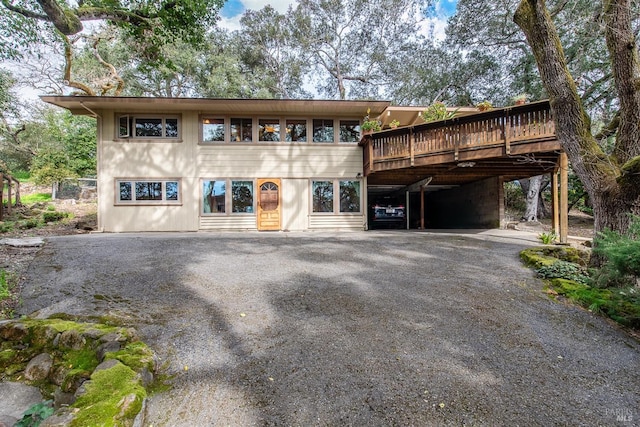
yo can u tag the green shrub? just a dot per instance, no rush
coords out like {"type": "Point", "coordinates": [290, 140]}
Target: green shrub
{"type": "Point", "coordinates": [622, 256]}
{"type": "Point", "coordinates": [29, 223]}
{"type": "Point", "coordinates": [54, 216]}
{"type": "Point", "coordinates": [6, 227]}
{"type": "Point", "coordinates": [4, 285]}
{"type": "Point", "coordinates": [564, 270]}
{"type": "Point", "coordinates": [548, 238]}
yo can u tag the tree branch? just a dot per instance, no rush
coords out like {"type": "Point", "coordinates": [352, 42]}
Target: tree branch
{"type": "Point", "coordinates": [68, 58]}
{"type": "Point", "coordinates": [14, 136]}
{"type": "Point", "coordinates": [24, 12]}
{"type": "Point", "coordinates": [112, 71]}
{"type": "Point", "coordinates": [63, 19]}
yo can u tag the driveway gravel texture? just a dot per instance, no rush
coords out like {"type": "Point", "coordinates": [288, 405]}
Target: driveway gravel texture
{"type": "Point", "coordinates": [384, 328]}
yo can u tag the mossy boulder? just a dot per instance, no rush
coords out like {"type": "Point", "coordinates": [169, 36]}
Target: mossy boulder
{"type": "Point", "coordinates": [546, 255]}
{"type": "Point", "coordinates": [113, 395]}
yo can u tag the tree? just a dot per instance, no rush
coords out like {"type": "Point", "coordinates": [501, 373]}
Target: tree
{"type": "Point", "coordinates": [611, 180]}
{"type": "Point", "coordinates": [352, 40]}
{"type": "Point", "coordinates": [488, 27]}
{"type": "Point", "coordinates": [148, 25]}
{"type": "Point", "coordinates": [268, 49]}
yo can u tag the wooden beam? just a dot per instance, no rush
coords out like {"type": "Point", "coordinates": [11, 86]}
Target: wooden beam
{"type": "Point", "coordinates": [417, 185]}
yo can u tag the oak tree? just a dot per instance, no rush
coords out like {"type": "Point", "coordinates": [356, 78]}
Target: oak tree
{"type": "Point", "coordinates": [612, 179]}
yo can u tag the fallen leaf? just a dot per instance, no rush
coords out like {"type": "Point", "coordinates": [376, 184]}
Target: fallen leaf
{"type": "Point", "coordinates": [186, 368]}
{"type": "Point", "coordinates": [242, 314]}
{"type": "Point", "coordinates": [441, 405]}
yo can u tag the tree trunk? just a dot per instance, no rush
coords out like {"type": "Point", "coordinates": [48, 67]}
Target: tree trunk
{"type": "Point", "coordinates": [613, 188]}
{"type": "Point", "coordinates": [531, 190]}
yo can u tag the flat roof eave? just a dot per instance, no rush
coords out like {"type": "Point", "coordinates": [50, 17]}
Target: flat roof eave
{"type": "Point", "coordinates": [89, 105]}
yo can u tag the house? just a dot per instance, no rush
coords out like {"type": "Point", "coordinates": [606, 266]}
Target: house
{"type": "Point", "coordinates": [179, 164]}
{"type": "Point", "coordinates": [185, 164]}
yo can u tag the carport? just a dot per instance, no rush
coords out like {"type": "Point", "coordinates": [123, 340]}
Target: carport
{"type": "Point", "coordinates": [450, 173]}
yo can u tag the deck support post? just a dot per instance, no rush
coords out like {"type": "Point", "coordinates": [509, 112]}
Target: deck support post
{"type": "Point", "coordinates": [555, 210]}
{"type": "Point", "coordinates": [422, 207]}
{"type": "Point", "coordinates": [564, 197]}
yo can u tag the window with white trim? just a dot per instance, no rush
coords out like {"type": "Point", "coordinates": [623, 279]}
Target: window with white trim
{"type": "Point", "coordinates": [217, 199]}
{"type": "Point", "coordinates": [147, 191]}
{"type": "Point", "coordinates": [148, 127]}
{"type": "Point", "coordinates": [323, 200]}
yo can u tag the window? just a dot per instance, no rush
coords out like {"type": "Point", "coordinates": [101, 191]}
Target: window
{"type": "Point", "coordinates": [296, 131]}
{"type": "Point", "coordinates": [214, 193]}
{"type": "Point", "coordinates": [269, 130]}
{"type": "Point", "coordinates": [217, 200]}
{"type": "Point", "coordinates": [241, 130]}
{"type": "Point", "coordinates": [323, 196]}
{"type": "Point", "coordinates": [131, 191]}
{"type": "Point", "coordinates": [322, 130]}
{"type": "Point", "coordinates": [349, 196]}
{"type": "Point", "coordinates": [242, 199]}
{"type": "Point", "coordinates": [148, 127]}
{"type": "Point", "coordinates": [212, 130]}
{"type": "Point", "coordinates": [349, 131]}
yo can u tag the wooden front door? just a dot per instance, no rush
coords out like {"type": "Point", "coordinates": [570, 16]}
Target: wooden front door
{"type": "Point", "coordinates": [268, 204]}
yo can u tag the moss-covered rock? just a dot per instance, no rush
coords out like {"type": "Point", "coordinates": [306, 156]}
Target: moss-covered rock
{"type": "Point", "coordinates": [114, 396]}
{"type": "Point", "coordinates": [546, 255]}
{"type": "Point", "coordinates": [76, 350]}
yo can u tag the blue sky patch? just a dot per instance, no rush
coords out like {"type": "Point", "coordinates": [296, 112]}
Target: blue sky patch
{"type": "Point", "coordinates": [232, 8]}
{"type": "Point", "coordinates": [446, 8]}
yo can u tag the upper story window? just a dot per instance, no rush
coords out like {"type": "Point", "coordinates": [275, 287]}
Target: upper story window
{"type": "Point", "coordinates": [212, 129]}
{"type": "Point", "coordinates": [296, 131]}
{"type": "Point", "coordinates": [349, 130]}
{"type": "Point", "coordinates": [269, 130]}
{"type": "Point", "coordinates": [241, 130]}
{"type": "Point", "coordinates": [149, 127]}
{"type": "Point", "coordinates": [218, 128]}
{"type": "Point", "coordinates": [323, 130]}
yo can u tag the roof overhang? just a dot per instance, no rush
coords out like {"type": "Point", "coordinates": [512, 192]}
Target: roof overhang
{"type": "Point", "coordinates": [90, 105]}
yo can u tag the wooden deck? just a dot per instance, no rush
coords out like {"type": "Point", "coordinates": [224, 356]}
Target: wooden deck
{"type": "Point", "coordinates": [514, 142]}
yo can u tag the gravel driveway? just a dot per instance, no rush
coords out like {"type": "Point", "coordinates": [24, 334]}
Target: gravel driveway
{"type": "Point", "coordinates": [316, 329]}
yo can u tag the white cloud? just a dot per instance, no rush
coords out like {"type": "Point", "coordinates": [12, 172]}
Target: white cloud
{"type": "Point", "coordinates": [279, 5]}
{"type": "Point", "coordinates": [233, 23]}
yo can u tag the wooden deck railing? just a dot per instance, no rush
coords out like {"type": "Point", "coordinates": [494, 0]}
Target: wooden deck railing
{"type": "Point", "coordinates": [504, 126]}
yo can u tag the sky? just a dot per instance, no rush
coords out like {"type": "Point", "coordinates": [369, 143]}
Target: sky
{"type": "Point", "coordinates": [233, 10]}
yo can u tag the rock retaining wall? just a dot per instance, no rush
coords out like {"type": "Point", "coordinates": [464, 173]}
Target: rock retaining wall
{"type": "Point", "coordinates": [92, 372]}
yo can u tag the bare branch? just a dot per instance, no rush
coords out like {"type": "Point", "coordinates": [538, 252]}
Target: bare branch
{"type": "Point", "coordinates": [112, 71]}
{"type": "Point", "coordinates": [68, 58]}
